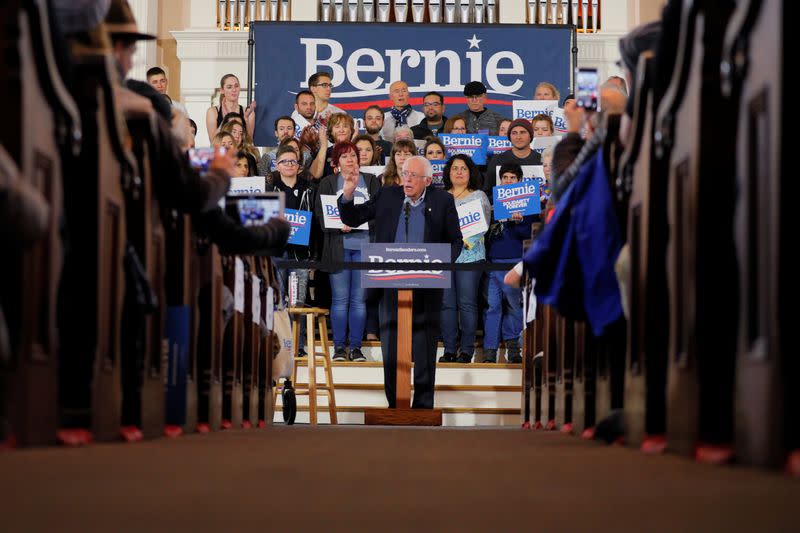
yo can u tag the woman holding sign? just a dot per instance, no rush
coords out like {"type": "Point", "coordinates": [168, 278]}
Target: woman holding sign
{"type": "Point", "coordinates": [460, 302]}
{"type": "Point", "coordinates": [341, 244]}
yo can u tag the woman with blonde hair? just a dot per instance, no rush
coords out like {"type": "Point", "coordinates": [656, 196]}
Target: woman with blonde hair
{"type": "Point", "coordinates": [229, 103]}
{"type": "Point", "coordinates": [546, 91]}
{"type": "Point", "coordinates": [241, 139]}
{"type": "Point", "coordinates": [401, 150]}
{"type": "Point", "coordinates": [223, 139]}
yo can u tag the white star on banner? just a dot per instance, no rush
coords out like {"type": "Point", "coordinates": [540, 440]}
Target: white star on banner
{"type": "Point", "coordinates": [473, 43]}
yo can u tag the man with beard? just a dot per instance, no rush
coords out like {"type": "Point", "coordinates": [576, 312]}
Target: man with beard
{"type": "Point", "coordinates": [401, 113]}
{"type": "Point", "coordinates": [373, 123]}
{"type": "Point", "coordinates": [433, 123]}
{"type": "Point", "coordinates": [305, 107]}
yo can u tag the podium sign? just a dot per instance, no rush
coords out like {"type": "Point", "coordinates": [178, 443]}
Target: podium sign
{"type": "Point", "coordinates": [386, 278]}
{"type": "Point", "coordinates": [406, 281]}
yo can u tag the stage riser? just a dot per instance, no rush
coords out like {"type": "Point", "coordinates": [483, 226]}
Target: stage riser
{"type": "Point", "coordinates": [459, 399]}
{"type": "Point", "coordinates": [448, 419]}
{"type": "Point", "coordinates": [363, 374]}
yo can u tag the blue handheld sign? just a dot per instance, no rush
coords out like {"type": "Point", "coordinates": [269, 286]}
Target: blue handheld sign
{"type": "Point", "coordinates": [300, 222]}
{"type": "Point", "coordinates": [471, 144]}
{"type": "Point", "coordinates": [522, 197]}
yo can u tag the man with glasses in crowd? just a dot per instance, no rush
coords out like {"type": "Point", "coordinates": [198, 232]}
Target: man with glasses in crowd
{"type": "Point", "coordinates": [433, 123]}
{"type": "Point", "coordinates": [401, 113]}
{"type": "Point", "coordinates": [431, 217]}
{"type": "Point", "coordinates": [321, 87]}
{"type": "Point", "coordinates": [478, 117]}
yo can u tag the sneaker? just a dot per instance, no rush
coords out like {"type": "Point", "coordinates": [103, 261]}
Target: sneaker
{"type": "Point", "coordinates": [340, 354]}
{"type": "Point", "coordinates": [302, 353]}
{"type": "Point", "coordinates": [489, 356]}
{"type": "Point", "coordinates": [515, 359]}
{"type": "Point", "coordinates": [447, 358]}
{"type": "Point", "coordinates": [356, 355]}
{"type": "Point", "coordinates": [464, 358]}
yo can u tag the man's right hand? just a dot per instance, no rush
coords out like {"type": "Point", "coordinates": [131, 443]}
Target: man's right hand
{"type": "Point", "coordinates": [350, 182]}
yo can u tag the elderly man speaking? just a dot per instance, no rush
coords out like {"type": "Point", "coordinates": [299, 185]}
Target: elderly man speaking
{"type": "Point", "coordinates": [432, 218]}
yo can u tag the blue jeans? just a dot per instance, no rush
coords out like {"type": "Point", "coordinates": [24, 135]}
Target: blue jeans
{"type": "Point", "coordinates": [347, 305]}
{"type": "Point", "coordinates": [504, 315]}
{"type": "Point", "coordinates": [460, 308]}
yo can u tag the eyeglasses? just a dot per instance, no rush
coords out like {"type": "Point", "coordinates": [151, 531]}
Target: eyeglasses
{"type": "Point", "coordinates": [324, 85]}
{"type": "Point", "coordinates": [412, 175]}
{"type": "Point", "coordinates": [432, 104]}
{"type": "Point", "coordinates": [288, 162]}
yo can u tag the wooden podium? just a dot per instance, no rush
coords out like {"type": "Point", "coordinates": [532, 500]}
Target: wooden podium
{"type": "Point", "coordinates": [403, 415]}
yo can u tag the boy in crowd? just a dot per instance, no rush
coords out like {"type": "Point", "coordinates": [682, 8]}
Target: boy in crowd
{"type": "Point", "coordinates": [157, 78]}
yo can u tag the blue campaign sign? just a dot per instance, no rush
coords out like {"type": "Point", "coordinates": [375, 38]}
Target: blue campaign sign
{"type": "Point", "coordinates": [176, 331]}
{"type": "Point", "coordinates": [405, 253]}
{"type": "Point", "coordinates": [438, 173]}
{"type": "Point", "coordinates": [522, 197]}
{"type": "Point", "coordinates": [471, 144]}
{"type": "Point", "coordinates": [497, 144]}
{"type": "Point", "coordinates": [365, 58]}
{"type": "Point", "coordinates": [300, 222]}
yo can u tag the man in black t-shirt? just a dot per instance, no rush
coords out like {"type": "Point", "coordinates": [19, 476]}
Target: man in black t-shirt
{"type": "Point", "coordinates": [433, 123]}
{"type": "Point", "coordinates": [520, 133]}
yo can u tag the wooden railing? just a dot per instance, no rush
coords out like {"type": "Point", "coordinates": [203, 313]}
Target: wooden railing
{"type": "Point", "coordinates": [236, 15]}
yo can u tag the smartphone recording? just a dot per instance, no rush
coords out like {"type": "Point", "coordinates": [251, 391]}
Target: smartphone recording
{"type": "Point", "coordinates": [586, 95]}
{"type": "Point", "coordinates": [255, 209]}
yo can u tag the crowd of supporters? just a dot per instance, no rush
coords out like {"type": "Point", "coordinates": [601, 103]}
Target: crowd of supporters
{"type": "Point", "coordinates": [316, 140]}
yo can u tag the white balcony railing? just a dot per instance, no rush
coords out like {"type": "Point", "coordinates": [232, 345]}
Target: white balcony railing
{"type": "Point", "coordinates": [236, 15]}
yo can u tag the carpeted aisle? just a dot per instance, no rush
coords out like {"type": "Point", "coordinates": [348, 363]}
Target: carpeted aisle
{"type": "Point", "coordinates": [383, 479]}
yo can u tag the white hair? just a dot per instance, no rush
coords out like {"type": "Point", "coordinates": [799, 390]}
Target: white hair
{"type": "Point", "coordinates": [428, 172]}
{"type": "Point", "coordinates": [404, 128]}
{"type": "Point", "coordinates": [548, 152]}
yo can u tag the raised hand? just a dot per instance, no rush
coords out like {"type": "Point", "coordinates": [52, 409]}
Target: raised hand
{"type": "Point", "coordinates": [350, 183]}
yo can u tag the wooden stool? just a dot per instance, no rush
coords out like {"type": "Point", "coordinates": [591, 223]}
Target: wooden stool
{"type": "Point", "coordinates": [312, 314]}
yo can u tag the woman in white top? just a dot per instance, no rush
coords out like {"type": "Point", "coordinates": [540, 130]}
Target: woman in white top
{"type": "Point", "coordinates": [229, 103]}
{"type": "Point", "coordinates": [460, 302]}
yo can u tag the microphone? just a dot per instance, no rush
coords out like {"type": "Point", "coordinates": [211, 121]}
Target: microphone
{"type": "Point", "coordinates": [407, 213]}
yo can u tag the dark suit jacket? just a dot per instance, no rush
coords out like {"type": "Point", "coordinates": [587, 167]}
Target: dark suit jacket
{"type": "Point", "coordinates": [441, 217]}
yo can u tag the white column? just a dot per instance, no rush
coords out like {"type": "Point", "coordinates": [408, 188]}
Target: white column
{"type": "Point", "coordinates": [146, 14]}
{"type": "Point", "coordinates": [305, 10]}
{"type": "Point", "coordinates": [512, 11]}
{"type": "Point", "coordinates": [203, 14]}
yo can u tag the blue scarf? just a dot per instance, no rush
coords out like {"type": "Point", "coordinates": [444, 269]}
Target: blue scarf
{"type": "Point", "coordinates": [400, 115]}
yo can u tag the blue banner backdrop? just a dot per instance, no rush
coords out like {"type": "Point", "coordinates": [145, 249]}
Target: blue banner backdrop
{"type": "Point", "coordinates": [365, 58]}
